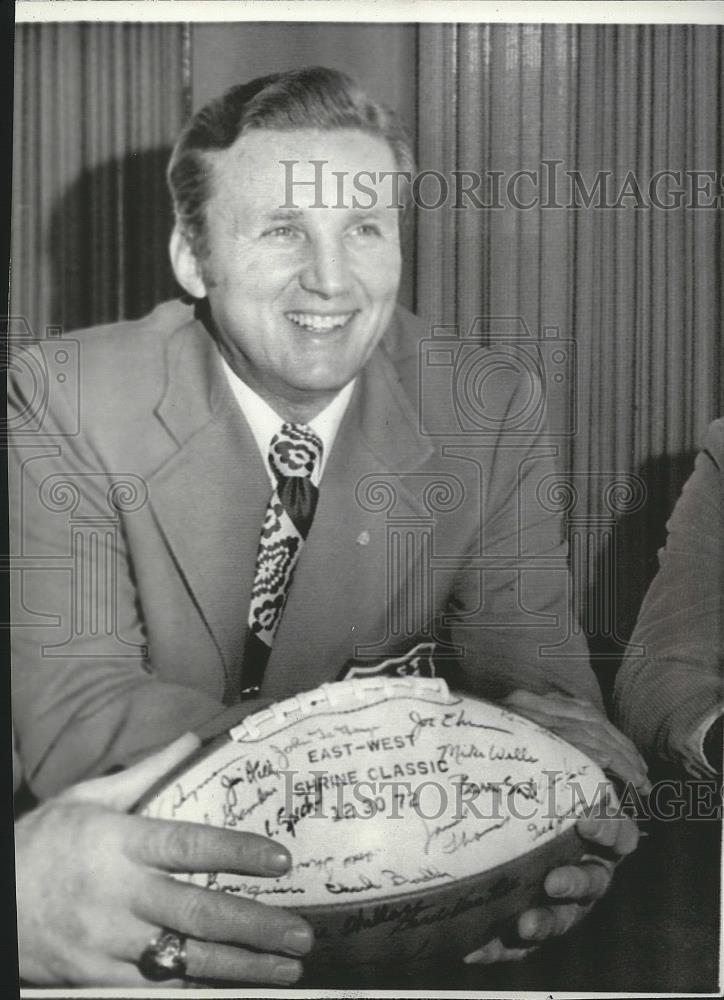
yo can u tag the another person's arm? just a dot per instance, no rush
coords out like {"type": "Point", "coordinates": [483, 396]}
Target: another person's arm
{"type": "Point", "coordinates": [669, 694]}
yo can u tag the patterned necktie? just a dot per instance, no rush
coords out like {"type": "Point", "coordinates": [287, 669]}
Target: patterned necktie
{"type": "Point", "coordinates": [294, 454]}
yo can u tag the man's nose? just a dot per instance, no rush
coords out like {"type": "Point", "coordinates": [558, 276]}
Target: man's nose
{"type": "Point", "coordinates": [326, 271]}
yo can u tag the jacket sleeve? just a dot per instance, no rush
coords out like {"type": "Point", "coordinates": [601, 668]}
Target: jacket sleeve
{"type": "Point", "coordinates": [671, 678]}
{"type": "Point", "coordinates": [85, 698]}
{"type": "Point", "coordinates": [516, 620]}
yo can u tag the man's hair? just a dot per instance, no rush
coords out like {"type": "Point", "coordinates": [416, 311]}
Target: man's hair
{"type": "Point", "coordinates": [314, 97]}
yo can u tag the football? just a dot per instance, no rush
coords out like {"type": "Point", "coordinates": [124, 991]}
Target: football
{"type": "Point", "coordinates": [419, 820]}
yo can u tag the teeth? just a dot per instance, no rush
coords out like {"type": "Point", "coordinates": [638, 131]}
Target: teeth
{"type": "Point", "coordinates": [319, 322]}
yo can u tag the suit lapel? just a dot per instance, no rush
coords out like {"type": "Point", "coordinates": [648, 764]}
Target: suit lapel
{"type": "Point", "coordinates": [210, 496]}
{"type": "Point", "coordinates": [340, 580]}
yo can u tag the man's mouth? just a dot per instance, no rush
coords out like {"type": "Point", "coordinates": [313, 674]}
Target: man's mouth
{"type": "Point", "coordinates": [320, 322]}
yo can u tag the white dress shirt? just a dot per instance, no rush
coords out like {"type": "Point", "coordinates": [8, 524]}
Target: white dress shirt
{"type": "Point", "coordinates": [266, 422]}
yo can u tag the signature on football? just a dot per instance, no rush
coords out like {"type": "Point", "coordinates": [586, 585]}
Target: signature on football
{"type": "Point", "coordinates": [447, 720]}
{"type": "Point", "coordinates": [364, 883]}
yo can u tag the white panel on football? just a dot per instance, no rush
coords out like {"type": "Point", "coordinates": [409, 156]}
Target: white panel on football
{"type": "Point", "coordinates": [383, 787]}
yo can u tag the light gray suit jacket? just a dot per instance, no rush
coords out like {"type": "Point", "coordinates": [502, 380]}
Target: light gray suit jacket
{"type": "Point", "coordinates": [136, 510]}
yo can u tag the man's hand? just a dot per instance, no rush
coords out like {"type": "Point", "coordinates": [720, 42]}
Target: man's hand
{"type": "Point", "coordinates": [93, 889]}
{"type": "Point", "coordinates": [586, 727]}
{"type": "Point", "coordinates": [572, 889]}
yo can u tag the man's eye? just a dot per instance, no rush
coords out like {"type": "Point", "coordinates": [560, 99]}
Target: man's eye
{"type": "Point", "coordinates": [283, 232]}
{"type": "Point", "coordinates": [367, 229]}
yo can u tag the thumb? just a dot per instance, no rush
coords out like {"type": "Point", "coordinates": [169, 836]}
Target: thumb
{"type": "Point", "coordinates": [122, 791]}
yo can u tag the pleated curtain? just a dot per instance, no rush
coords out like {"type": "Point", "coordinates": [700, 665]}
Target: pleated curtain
{"type": "Point", "coordinates": [96, 109]}
{"type": "Point", "coordinates": [633, 293]}
{"type": "Point", "coordinates": [636, 289]}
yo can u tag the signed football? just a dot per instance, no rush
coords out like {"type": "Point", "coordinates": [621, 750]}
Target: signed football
{"type": "Point", "coordinates": [419, 820]}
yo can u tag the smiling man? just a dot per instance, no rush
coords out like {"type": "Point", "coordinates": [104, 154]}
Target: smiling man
{"type": "Point", "coordinates": [299, 297]}
{"type": "Point", "coordinates": [226, 485]}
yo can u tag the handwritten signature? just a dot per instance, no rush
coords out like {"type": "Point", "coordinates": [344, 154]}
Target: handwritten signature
{"type": "Point", "coordinates": [460, 751]}
{"type": "Point", "coordinates": [232, 812]}
{"type": "Point", "coordinates": [420, 722]}
{"type": "Point", "coordinates": [520, 754]}
{"type": "Point", "coordinates": [538, 830]}
{"type": "Point", "coordinates": [438, 830]}
{"type": "Point", "coordinates": [315, 864]}
{"type": "Point", "coordinates": [181, 795]}
{"type": "Point", "coordinates": [454, 719]}
{"type": "Point", "coordinates": [288, 821]}
{"type": "Point", "coordinates": [343, 730]}
{"type": "Point", "coordinates": [469, 789]}
{"type": "Point", "coordinates": [251, 889]}
{"type": "Point", "coordinates": [426, 874]}
{"type": "Point", "coordinates": [362, 857]}
{"type": "Point", "coordinates": [459, 840]}
{"type": "Point", "coordinates": [363, 884]}
{"type": "Point", "coordinates": [283, 752]}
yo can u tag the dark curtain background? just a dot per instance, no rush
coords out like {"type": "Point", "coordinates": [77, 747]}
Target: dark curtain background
{"type": "Point", "coordinates": [97, 108]}
{"type": "Point", "coordinates": [636, 291]}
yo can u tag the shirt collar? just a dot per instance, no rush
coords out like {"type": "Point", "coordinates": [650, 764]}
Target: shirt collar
{"type": "Point", "coordinates": [266, 422]}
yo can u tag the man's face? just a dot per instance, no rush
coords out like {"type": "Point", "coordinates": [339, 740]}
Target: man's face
{"type": "Point", "coordinates": [300, 296]}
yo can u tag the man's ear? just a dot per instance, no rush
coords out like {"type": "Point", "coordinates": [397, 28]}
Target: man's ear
{"type": "Point", "coordinates": [185, 266]}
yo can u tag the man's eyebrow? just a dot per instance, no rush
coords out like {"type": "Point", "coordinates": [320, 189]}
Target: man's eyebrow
{"type": "Point", "coordinates": [374, 212]}
{"type": "Point", "coordinates": [282, 214]}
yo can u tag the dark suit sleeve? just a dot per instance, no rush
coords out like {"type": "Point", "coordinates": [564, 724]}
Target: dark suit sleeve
{"type": "Point", "coordinates": [671, 680]}
{"type": "Point", "coordinates": [85, 698]}
{"type": "Point", "coordinates": [515, 620]}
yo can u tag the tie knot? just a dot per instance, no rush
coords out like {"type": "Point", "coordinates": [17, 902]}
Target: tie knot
{"type": "Point", "coordinates": [295, 451]}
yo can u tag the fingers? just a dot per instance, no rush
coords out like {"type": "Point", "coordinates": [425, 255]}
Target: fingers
{"type": "Point", "coordinates": [544, 922]}
{"type": "Point", "coordinates": [596, 735]}
{"type": "Point", "coordinates": [206, 959]}
{"type": "Point", "coordinates": [98, 972]}
{"type": "Point", "coordinates": [220, 963]}
{"type": "Point", "coordinates": [122, 791]}
{"type": "Point", "coordinates": [580, 885]}
{"type": "Point", "coordinates": [106, 955]}
{"type": "Point", "coordinates": [617, 833]}
{"type": "Point", "coordinates": [195, 847]}
{"type": "Point", "coordinates": [583, 883]}
{"type": "Point", "coordinates": [595, 742]}
{"type": "Point", "coordinates": [223, 918]}
{"type": "Point", "coordinates": [209, 963]}
{"type": "Point", "coordinates": [205, 963]}
{"type": "Point", "coordinates": [531, 929]}
{"type": "Point", "coordinates": [496, 951]}
{"type": "Point", "coordinates": [584, 725]}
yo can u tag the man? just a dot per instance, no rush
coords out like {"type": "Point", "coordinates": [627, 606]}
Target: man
{"type": "Point", "coordinates": [670, 699]}
{"type": "Point", "coordinates": [247, 458]}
